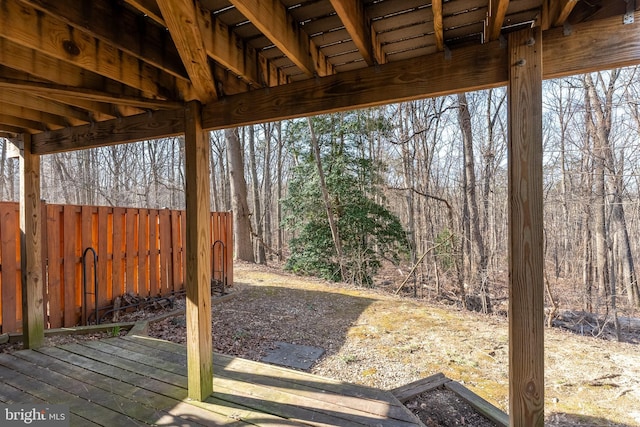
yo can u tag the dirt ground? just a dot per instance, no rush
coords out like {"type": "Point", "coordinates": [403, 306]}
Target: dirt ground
{"type": "Point", "coordinates": [373, 338]}
{"type": "Point", "coordinates": [385, 341]}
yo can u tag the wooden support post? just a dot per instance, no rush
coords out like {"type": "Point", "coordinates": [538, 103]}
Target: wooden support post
{"type": "Point", "coordinates": [198, 274]}
{"type": "Point", "coordinates": [526, 290]}
{"type": "Point", "coordinates": [31, 247]}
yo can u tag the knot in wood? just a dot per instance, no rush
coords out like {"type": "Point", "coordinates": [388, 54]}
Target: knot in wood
{"type": "Point", "coordinates": [71, 47]}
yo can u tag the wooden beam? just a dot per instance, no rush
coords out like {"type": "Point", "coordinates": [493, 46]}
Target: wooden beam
{"type": "Point", "coordinates": [67, 115]}
{"type": "Point", "coordinates": [469, 68]}
{"type": "Point", "coordinates": [29, 126]}
{"type": "Point", "coordinates": [32, 29]}
{"type": "Point", "coordinates": [351, 13]}
{"type": "Point", "coordinates": [198, 252]}
{"type": "Point", "coordinates": [42, 66]}
{"type": "Point", "coordinates": [112, 22]}
{"type": "Point", "coordinates": [48, 121]}
{"type": "Point", "coordinates": [152, 125]}
{"type": "Point", "coordinates": [497, 12]}
{"type": "Point", "coordinates": [272, 19]}
{"type": "Point", "coordinates": [229, 50]}
{"type": "Point", "coordinates": [526, 286]}
{"type": "Point", "coordinates": [181, 17]}
{"type": "Point", "coordinates": [438, 29]}
{"type": "Point", "coordinates": [149, 8]}
{"type": "Point", "coordinates": [558, 11]}
{"type": "Point", "coordinates": [31, 247]}
{"type": "Point", "coordinates": [594, 45]}
{"type": "Point", "coordinates": [82, 93]}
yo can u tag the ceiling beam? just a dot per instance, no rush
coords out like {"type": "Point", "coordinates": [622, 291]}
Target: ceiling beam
{"type": "Point", "coordinates": [181, 17]}
{"type": "Point", "coordinates": [112, 22]}
{"type": "Point", "coordinates": [29, 126]}
{"type": "Point", "coordinates": [559, 11]}
{"type": "Point", "coordinates": [152, 125]}
{"type": "Point", "coordinates": [596, 45]}
{"type": "Point", "coordinates": [32, 29]}
{"type": "Point", "coordinates": [438, 28]}
{"type": "Point", "coordinates": [352, 15]}
{"type": "Point", "coordinates": [149, 8]}
{"type": "Point", "coordinates": [34, 63]}
{"type": "Point", "coordinates": [70, 116]}
{"type": "Point", "coordinates": [49, 121]}
{"type": "Point", "coordinates": [88, 94]}
{"type": "Point", "coordinates": [497, 12]}
{"type": "Point", "coordinates": [273, 20]}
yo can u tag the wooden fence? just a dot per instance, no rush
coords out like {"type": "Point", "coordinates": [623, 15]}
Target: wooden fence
{"type": "Point", "coordinates": [138, 251]}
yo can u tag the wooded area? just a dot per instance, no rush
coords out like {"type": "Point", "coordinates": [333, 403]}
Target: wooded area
{"type": "Point", "coordinates": [439, 165]}
{"type": "Point", "coordinates": [138, 253]}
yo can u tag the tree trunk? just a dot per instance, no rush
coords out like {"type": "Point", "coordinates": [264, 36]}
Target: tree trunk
{"type": "Point", "coordinates": [464, 118]}
{"type": "Point", "coordinates": [255, 191]}
{"type": "Point", "coordinates": [243, 248]}
{"type": "Point", "coordinates": [335, 233]}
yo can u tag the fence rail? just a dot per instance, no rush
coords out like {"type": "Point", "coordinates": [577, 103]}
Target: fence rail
{"type": "Point", "coordinates": [139, 251]}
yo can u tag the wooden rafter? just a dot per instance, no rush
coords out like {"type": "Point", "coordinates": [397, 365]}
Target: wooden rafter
{"type": "Point", "coordinates": [591, 46]}
{"type": "Point", "coordinates": [28, 126]}
{"type": "Point", "coordinates": [68, 116]}
{"type": "Point", "coordinates": [111, 22]}
{"type": "Point", "coordinates": [351, 13]}
{"type": "Point", "coordinates": [272, 19]}
{"type": "Point", "coordinates": [32, 29]}
{"type": "Point", "coordinates": [46, 68]}
{"type": "Point", "coordinates": [497, 12]}
{"type": "Point", "coordinates": [181, 18]}
{"type": "Point", "coordinates": [149, 8]}
{"type": "Point", "coordinates": [438, 29]}
{"type": "Point", "coordinates": [559, 11]}
{"type": "Point", "coordinates": [49, 121]}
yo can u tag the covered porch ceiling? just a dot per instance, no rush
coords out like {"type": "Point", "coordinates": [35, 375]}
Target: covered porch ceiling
{"type": "Point", "coordinates": [77, 74]}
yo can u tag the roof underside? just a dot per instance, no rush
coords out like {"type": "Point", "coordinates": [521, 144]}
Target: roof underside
{"type": "Point", "coordinates": [65, 64]}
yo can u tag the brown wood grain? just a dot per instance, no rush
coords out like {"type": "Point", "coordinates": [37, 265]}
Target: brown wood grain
{"type": "Point", "coordinates": [31, 248]}
{"type": "Point", "coordinates": [69, 270]}
{"type": "Point", "coordinates": [526, 290]}
{"type": "Point", "coordinates": [198, 258]}
{"type": "Point", "coordinates": [9, 227]}
{"type": "Point", "coordinates": [55, 268]}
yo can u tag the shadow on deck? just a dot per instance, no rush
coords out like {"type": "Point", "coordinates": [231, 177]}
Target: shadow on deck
{"type": "Point", "coordinates": [138, 380]}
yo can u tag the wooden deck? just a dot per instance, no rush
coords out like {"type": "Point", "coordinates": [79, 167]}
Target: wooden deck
{"type": "Point", "coordinates": [141, 381]}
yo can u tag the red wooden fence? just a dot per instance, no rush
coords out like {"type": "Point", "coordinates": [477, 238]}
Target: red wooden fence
{"type": "Point", "coordinates": [139, 251]}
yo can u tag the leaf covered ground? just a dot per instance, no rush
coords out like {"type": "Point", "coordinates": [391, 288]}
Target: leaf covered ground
{"type": "Point", "coordinates": [385, 341]}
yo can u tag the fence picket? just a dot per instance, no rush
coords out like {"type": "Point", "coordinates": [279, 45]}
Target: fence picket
{"type": "Point", "coordinates": [139, 251]}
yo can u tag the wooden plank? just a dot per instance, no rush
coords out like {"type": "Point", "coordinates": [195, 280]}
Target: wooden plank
{"type": "Point", "coordinates": [154, 267]}
{"type": "Point", "coordinates": [87, 265]}
{"type": "Point", "coordinates": [176, 249]}
{"type": "Point", "coordinates": [228, 239]}
{"type": "Point", "coordinates": [70, 259]}
{"type": "Point", "coordinates": [118, 272]}
{"type": "Point", "coordinates": [131, 252]}
{"type": "Point", "coordinates": [413, 389]}
{"type": "Point", "coordinates": [143, 252]}
{"type": "Point", "coordinates": [165, 253]}
{"type": "Point", "coordinates": [84, 408]}
{"type": "Point", "coordinates": [485, 408]}
{"type": "Point", "coordinates": [357, 24]}
{"type": "Point", "coordinates": [112, 394]}
{"type": "Point", "coordinates": [181, 19]}
{"type": "Point", "coordinates": [55, 294]}
{"type": "Point", "coordinates": [273, 20]}
{"type": "Point", "coordinates": [31, 247]}
{"type": "Point", "coordinates": [117, 371]}
{"type": "Point", "coordinates": [129, 362]}
{"type": "Point", "coordinates": [103, 238]}
{"type": "Point", "coordinates": [10, 270]}
{"type": "Point", "coordinates": [526, 290]}
{"type": "Point", "coordinates": [198, 255]}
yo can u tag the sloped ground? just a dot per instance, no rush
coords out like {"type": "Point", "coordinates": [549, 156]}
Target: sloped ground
{"type": "Point", "coordinates": [384, 341]}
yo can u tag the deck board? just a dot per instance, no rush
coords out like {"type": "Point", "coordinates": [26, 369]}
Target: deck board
{"type": "Point", "coordinates": [142, 381]}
